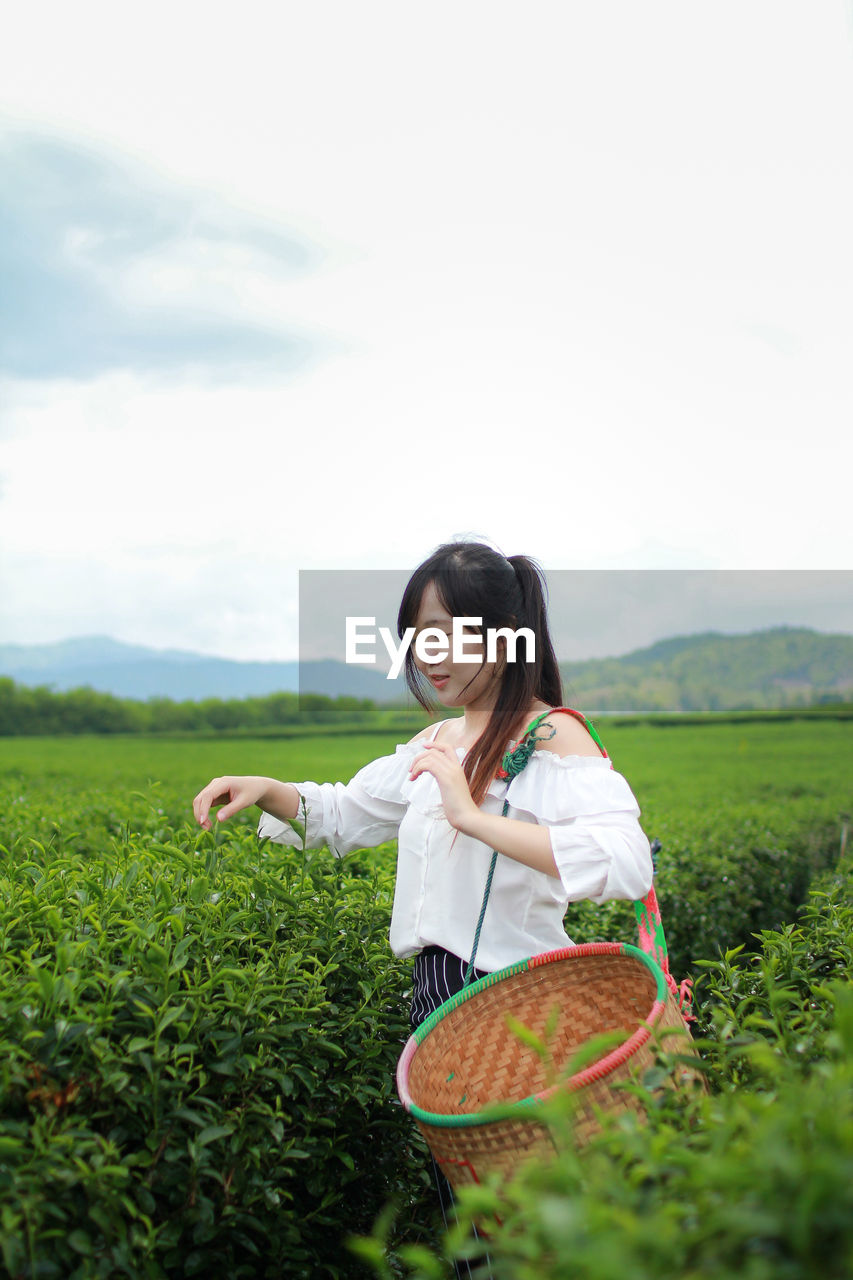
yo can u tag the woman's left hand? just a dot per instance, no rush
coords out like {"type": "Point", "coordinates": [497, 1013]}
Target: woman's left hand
{"type": "Point", "coordinates": [443, 763]}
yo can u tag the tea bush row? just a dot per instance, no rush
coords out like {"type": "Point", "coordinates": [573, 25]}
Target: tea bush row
{"type": "Point", "coordinates": [197, 1048]}
{"type": "Point", "coordinates": [753, 1179]}
{"type": "Point", "coordinates": [200, 1035]}
{"type": "Point", "coordinates": [719, 885]}
{"type": "Point", "coordinates": [746, 815]}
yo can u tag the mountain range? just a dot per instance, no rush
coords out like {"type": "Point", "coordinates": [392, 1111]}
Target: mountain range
{"type": "Point", "coordinates": [777, 667]}
{"type": "Point", "coordinates": [134, 671]}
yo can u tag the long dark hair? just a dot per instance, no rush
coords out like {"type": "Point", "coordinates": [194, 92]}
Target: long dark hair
{"type": "Point", "coordinates": [473, 580]}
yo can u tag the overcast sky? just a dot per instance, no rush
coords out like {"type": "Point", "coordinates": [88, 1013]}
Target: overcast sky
{"type": "Point", "coordinates": [318, 286]}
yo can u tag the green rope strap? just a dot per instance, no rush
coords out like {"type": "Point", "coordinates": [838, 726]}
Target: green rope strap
{"type": "Point", "coordinates": [469, 972]}
{"type": "Point", "coordinates": [511, 765]}
{"type": "Point", "coordinates": [514, 761]}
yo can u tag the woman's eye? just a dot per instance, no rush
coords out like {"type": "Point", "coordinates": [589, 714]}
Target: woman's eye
{"type": "Point", "coordinates": [434, 633]}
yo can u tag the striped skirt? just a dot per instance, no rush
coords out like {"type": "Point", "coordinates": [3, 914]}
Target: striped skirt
{"type": "Point", "coordinates": [438, 975]}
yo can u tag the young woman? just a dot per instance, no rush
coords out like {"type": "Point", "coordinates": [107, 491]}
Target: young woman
{"type": "Point", "coordinates": [572, 827]}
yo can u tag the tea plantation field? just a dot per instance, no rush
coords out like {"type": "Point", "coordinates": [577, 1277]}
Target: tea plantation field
{"type": "Point", "coordinates": [199, 1033]}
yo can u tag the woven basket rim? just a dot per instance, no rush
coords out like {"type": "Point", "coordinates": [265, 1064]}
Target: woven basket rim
{"type": "Point", "coordinates": [520, 1108]}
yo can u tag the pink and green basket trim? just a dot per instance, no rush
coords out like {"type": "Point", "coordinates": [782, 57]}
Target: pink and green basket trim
{"type": "Point", "coordinates": [597, 1071]}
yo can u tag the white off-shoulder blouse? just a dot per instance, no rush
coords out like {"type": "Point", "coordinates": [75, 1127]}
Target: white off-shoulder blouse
{"type": "Point", "coordinates": [591, 814]}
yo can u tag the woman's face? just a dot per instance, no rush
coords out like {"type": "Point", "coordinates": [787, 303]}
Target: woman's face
{"type": "Point", "coordinates": [473, 684]}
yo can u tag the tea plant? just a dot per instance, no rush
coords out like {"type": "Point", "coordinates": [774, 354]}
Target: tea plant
{"type": "Point", "coordinates": [196, 1058]}
{"type": "Point", "coordinates": [753, 1179]}
{"type": "Point", "coordinates": [198, 1034]}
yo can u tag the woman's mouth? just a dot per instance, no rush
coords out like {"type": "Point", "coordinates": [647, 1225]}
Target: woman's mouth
{"type": "Point", "coordinates": [438, 682]}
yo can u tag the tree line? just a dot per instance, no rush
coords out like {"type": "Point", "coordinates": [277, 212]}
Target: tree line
{"type": "Point", "coordinates": [28, 710]}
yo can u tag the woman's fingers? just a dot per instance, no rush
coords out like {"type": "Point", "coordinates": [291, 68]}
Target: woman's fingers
{"type": "Point", "coordinates": [442, 762]}
{"type": "Point", "coordinates": [232, 793]}
{"type": "Point", "coordinates": [214, 793]}
{"type": "Point", "coordinates": [434, 753]}
{"type": "Point", "coordinates": [228, 809]}
{"type": "Point", "coordinates": [200, 806]}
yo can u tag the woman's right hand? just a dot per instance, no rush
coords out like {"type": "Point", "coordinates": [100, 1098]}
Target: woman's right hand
{"type": "Point", "coordinates": [233, 793]}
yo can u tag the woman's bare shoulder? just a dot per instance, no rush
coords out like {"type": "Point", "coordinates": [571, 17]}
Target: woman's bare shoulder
{"type": "Point", "coordinates": [570, 738]}
{"type": "Point", "coordinates": [424, 733]}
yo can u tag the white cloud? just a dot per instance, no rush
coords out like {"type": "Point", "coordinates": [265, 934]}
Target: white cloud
{"type": "Point", "coordinates": [584, 274]}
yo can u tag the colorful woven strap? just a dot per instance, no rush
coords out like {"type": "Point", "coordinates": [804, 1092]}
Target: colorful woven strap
{"type": "Point", "coordinates": [653, 941]}
{"type": "Point", "coordinates": [514, 761]}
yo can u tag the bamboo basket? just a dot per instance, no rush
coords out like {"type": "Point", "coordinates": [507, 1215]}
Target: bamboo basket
{"type": "Point", "coordinates": [465, 1059]}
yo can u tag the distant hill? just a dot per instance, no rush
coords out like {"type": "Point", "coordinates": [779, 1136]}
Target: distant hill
{"type": "Point", "coordinates": [780, 667]}
{"type": "Point", "coordinates": [133, 671]}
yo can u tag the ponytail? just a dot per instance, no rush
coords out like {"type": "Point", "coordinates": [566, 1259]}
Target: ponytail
{"type": "Point", "coordinates": [531, 582]}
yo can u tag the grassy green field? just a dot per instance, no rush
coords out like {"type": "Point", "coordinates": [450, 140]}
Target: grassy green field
{"type": "Point", "coordinates": [745, 812]}
{"type": "Point", "coordinates": [804, 765]}
{"type": "Point", "coordinates": [198, 1036]}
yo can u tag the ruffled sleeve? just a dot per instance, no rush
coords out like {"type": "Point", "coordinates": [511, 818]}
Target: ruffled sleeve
{"type": "Point", "coordinates": [600, 849]}
{"type": "Point", "coordinates": [357, 815]}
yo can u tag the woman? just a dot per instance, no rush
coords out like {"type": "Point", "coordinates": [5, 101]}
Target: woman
{"type": "Point", "coordinates": [570, 830]}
